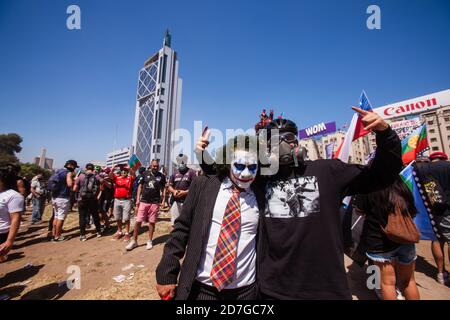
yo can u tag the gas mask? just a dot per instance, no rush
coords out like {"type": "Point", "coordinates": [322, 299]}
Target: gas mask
{"type": "Point", "coordinates": [287, 152]}
{"type": "Point", "coordinates": [244, 167]}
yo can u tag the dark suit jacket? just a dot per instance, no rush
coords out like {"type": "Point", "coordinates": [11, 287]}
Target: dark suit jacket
{"type": "Point", "coordinates": [191, 230]}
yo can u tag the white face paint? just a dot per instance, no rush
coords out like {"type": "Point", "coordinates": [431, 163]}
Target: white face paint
{"type": "Point", "coordinates": [244, 166]}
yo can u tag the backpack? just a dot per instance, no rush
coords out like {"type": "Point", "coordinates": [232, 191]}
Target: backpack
{"type": "Point", "coordinates": [90, 186]}
{"type": "Point", "coordinates": [55, 182]}
{"type": "Point", "coordinates": [435, 195]}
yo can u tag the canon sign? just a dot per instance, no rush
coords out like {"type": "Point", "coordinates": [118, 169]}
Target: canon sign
{"type": "Point", "coordinates": [416, 105]}
{"type": "Point", "coordinates": [410, 107]}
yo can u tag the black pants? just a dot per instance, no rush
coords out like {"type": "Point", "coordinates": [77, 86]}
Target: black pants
{"type": "Point", "coordinates": [86, 209]}
{"type": "Point", "coordinates": [201, 291]}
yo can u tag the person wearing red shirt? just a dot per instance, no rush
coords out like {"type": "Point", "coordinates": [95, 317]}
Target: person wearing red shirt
{"type": "Point", "coordinates": [123, 186]}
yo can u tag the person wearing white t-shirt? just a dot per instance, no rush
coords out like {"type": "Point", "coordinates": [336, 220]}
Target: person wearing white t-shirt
{"type": "Point", "coordinates": [11, 208]}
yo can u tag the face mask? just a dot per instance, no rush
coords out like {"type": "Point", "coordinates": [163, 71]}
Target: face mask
{"type": "Point", "coordinates": [286, 154]}
{"type": "Point", "coordinates": [283, 153]}
{"type": "Point", "coordinates": [244, 167]}
{"type": "Point", "coordinates": [71, 169]}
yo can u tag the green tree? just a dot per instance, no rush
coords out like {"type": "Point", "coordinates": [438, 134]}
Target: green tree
{"type": "Point", "coordinates": [29, 170]}
{"type": "Point", "coordinates": [9, 146]}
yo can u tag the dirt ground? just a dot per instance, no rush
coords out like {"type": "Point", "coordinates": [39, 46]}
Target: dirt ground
{"type": "Point", "coordinates": [38, 269]}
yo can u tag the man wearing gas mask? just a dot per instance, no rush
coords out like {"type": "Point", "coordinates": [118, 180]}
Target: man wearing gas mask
{"type": "Point", "coordinates": [179, 184]}
{"type": "Point", "coordinates": [300, 248]}
{"type": "Point", "coordinates": [218, 226]}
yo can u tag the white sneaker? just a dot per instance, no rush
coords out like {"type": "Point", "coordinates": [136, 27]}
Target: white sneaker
{"type": "Point", "coordinates": [399, 294]}
{"type": "Point", "coordinates": [133, 244]}
{"type": "Point", "coordinates": [441, 278]}
{"type": "Point", "coordinates": [149, 244]}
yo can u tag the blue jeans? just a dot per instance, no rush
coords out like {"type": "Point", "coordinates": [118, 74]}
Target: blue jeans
{"type": "Point", "coordinates": [37, 209]}
{"type": "Point", "coordinates": [404, 254]}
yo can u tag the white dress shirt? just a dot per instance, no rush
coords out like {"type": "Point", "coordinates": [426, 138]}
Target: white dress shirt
{"type": "Point", "coordinates": [246, 246]}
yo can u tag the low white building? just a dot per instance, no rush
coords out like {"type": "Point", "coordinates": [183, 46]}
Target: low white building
{"type": "Point", "coordinates": [120, 156]}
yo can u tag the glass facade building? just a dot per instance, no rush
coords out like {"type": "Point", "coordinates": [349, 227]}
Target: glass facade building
{"type": "Point", "coordinates": [158, 106]}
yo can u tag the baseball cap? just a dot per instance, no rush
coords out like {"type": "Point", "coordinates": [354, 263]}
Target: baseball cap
{"type": "Point", "coordinates": [438, 155]}
{"type": "Point", "coordinates": [71, 162]}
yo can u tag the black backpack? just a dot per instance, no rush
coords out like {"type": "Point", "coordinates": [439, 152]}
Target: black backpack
{"type": "Point", "coordinates": [90, 187]}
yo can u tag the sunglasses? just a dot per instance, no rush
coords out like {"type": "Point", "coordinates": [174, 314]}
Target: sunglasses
{"type": "Point", "coordinates": [241, 167]}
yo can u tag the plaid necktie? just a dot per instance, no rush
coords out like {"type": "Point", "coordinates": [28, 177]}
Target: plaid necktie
{"type": "Point", "coordinates": [224, 263]}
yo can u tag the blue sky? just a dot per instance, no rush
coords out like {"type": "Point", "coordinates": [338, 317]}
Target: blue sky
{"type": "Point", "coordinates": [68, 91]}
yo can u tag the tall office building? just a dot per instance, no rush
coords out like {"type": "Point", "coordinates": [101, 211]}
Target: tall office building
{"type": "Point", "coordinates": [42, 161]}
{"type": "Point", "coordinates": [158, 107]}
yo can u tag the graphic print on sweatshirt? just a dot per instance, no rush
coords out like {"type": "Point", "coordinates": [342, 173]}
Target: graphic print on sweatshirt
{"type": "Point", "coordinates": [293, 198]}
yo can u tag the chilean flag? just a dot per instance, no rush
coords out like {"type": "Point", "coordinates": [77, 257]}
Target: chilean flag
{"type": "Point", "coordinates": [355, 130]}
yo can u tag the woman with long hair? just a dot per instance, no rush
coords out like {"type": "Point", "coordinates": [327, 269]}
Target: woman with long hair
{"type": "Point", "coordinates": [395, 261]}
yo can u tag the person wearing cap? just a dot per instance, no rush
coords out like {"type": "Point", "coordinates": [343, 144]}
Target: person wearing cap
{"type": "Point", "coordinates": [300, 252]}
{"type": "Point", "coordinates": [439, 169]}
{"type": "Point", "coordinates": [62, 183]}
{"type": "Point", "coordinates": [87, 187]}
{"type": "Point", "coordinates": [438, 155]}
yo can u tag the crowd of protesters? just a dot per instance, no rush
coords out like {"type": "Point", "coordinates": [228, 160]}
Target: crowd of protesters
{"type": "Point", "coordinates": [101, 195]}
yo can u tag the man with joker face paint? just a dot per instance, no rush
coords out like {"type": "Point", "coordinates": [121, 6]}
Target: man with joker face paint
{"type": "Point", "coordinates": [244, 166]}
{"type": "Point", "coordinates": [216, 233]}
{"type": "Point", "coordinates": [300, 241]}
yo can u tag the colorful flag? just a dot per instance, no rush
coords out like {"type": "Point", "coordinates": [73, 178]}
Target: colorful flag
{"type": "Point", "coordinates": [423, 216]}
{"type": "Point", "coordinates": [329, 150]}
{"type": "Point", "coordinates": [365, 105]}
{"type": "Point", "coordinates": [414, 143]}
{"type": "Point", "coordinates": [134, 162]}
{"type": "Point", "coordinates": [355, 130]}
